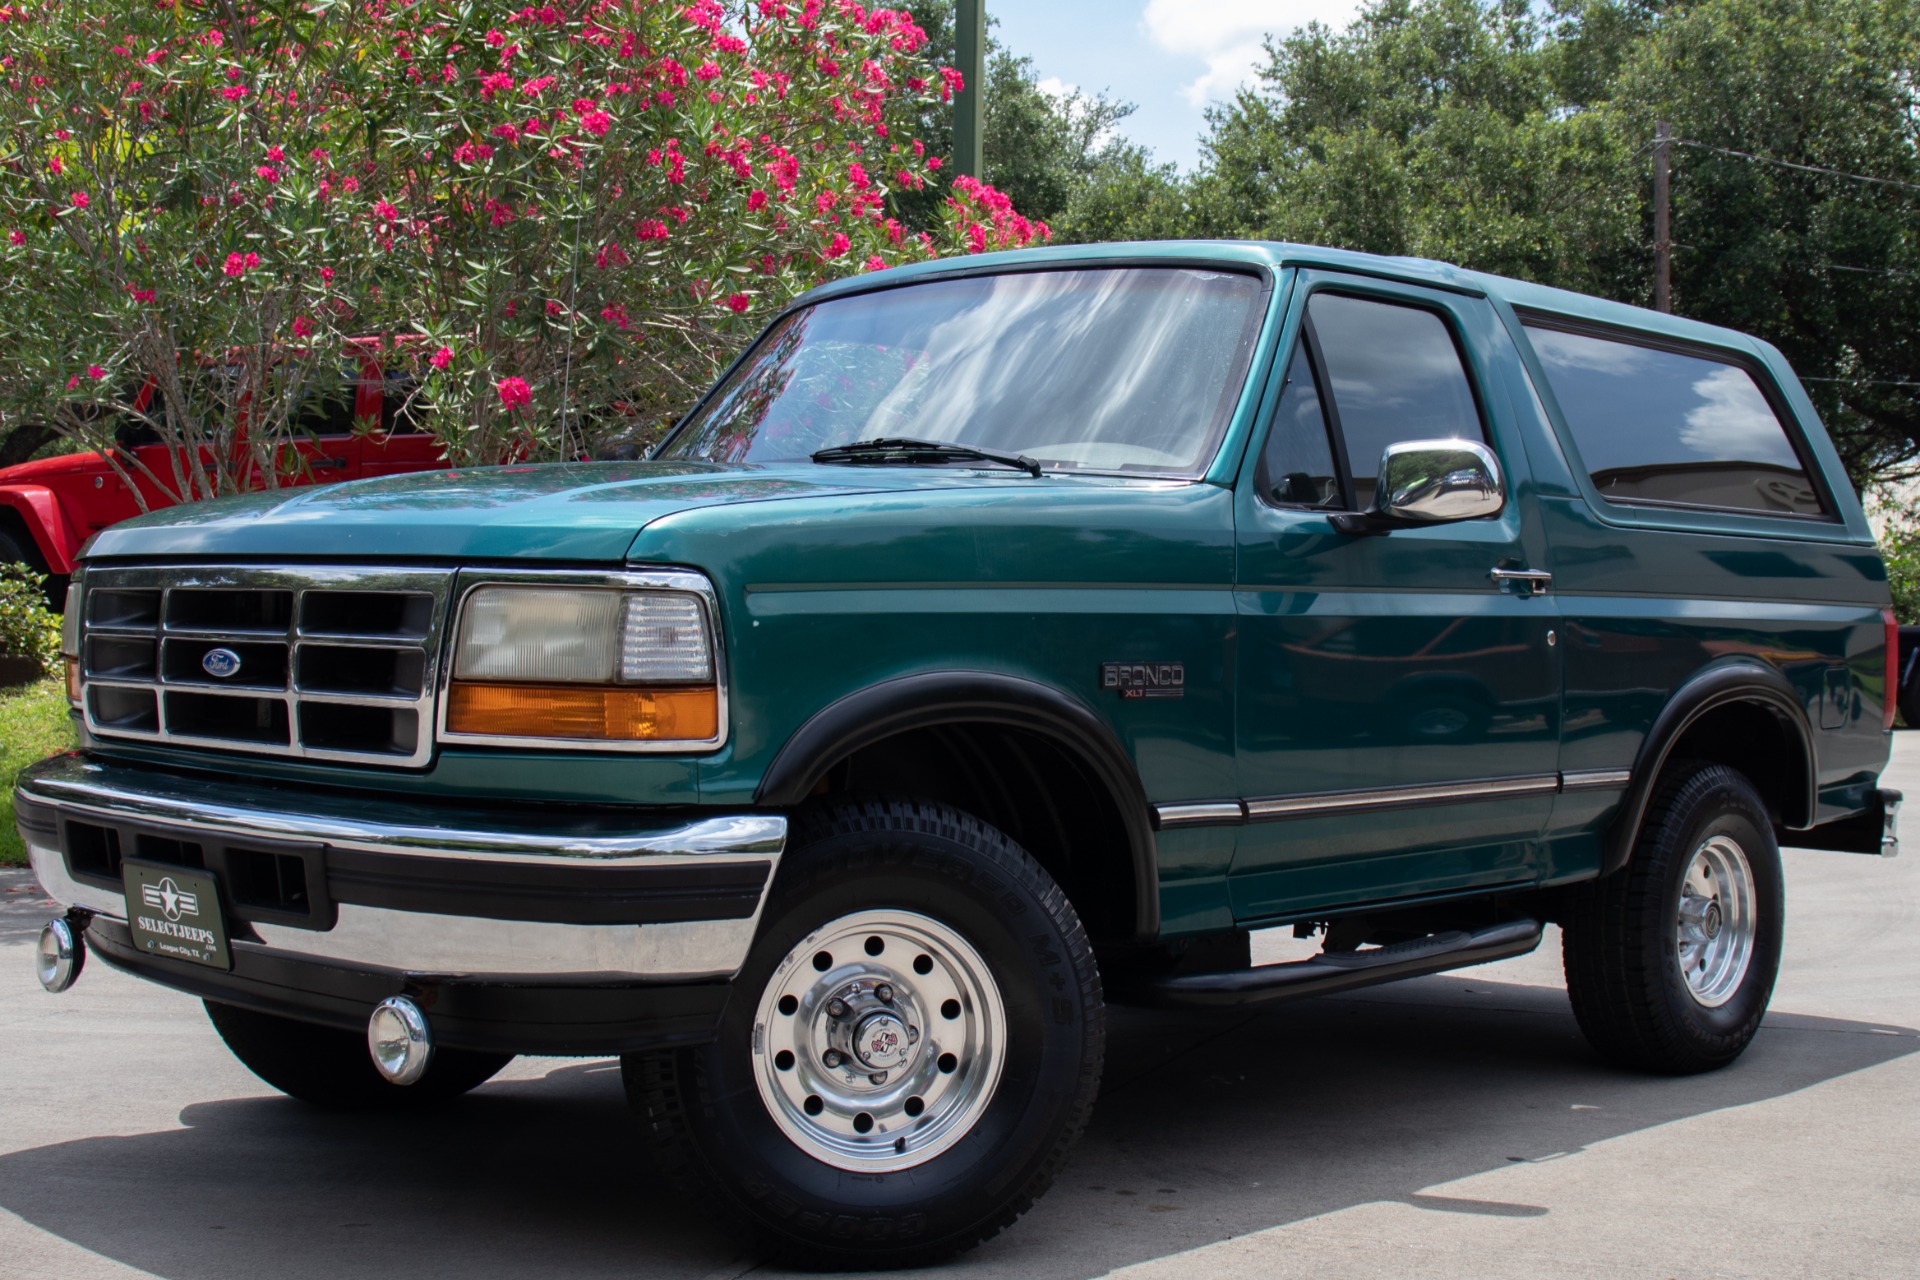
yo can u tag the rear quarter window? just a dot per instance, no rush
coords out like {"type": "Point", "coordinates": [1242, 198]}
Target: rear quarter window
{"type": "Point", "coordinates": [1661, 427]}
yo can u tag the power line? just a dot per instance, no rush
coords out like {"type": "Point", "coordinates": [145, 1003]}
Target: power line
{"type": "Point", "coordinates": [1790, 164]}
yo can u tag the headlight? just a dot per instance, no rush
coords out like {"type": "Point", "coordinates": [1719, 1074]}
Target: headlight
{"type": "Point", "coordinates": [584, 664]}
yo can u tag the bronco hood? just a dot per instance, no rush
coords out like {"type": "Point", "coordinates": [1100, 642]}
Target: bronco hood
{"type": "Point", "coordinates": [563, 511]}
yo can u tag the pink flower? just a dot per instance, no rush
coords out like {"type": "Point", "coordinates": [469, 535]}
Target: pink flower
{"type": "Point", "coordinates": [138, 294]}
{"type": "Point", "coordinates": [302, 327]}
{"type": "Point", "coordinates": [596, 122]}
{"type": "Point", "coordinates": [738, 302]}
{"type": "Point", "coordinates": [441, 358]}
{"type": "Point", "coordinates": [267, 173]}
{"type": "Point", "coordinates": [252, 260]}
{"type": "Point", "coordinates": [73, 382]}
{"type": "Point", "coordinates": [651, 229]}
{"type": "Point", "coordinates": [95, 372]}
{"type": "Point", "coordinates": [234, 92]}
{"type": "Point", "coordinates": [56, 166]}
{"type": "Point", "coordinates": [707, 71]}
{"type": "Point", "coordinates": [17, 237]}
{"type": "Point", "coordinates": [236, 266]}
{"type": "Point", "coordinates": [757, 199]}
{"type": "Point", "coordinates": [876, 263]}
{"type": "Point", "coordinates": [326, 274]}
{"type": "Point", "coordinates": [838, 245]}
{"type": "Point", "coordinates": [80, 200]}
{"type": "Point", "coordinates": [514, 393]}
{"type": "Point", "coordinates": [386, 211]}
{"type": "Point", "coordinates": [276, 155]}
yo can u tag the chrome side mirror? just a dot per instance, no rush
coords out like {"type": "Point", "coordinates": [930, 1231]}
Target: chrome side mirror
{"type": "Point", "coordinates": [1430, 482]}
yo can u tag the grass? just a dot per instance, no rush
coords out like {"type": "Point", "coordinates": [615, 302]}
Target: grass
{"type": "Point", "coordinates": [33, 725]}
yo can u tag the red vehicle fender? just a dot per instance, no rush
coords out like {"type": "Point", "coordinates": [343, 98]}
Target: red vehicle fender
{"type": "Point", "coordinates": [46, 523]}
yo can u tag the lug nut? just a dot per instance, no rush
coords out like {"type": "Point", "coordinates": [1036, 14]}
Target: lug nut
{"type": "Point", "coordinates": [913, 1035]}
{"type": "Point", "coordinates": [878, 1077]}
{"type": "Point", "coordinates": [884, 993]}
{"type": "Point", "coordinates": [832, 1058]}
{"type": "Point", "coordinates": [836, 1008]}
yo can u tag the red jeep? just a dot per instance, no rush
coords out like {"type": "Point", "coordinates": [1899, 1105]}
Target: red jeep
{"type": "Point", "coordinates": [50, 506]}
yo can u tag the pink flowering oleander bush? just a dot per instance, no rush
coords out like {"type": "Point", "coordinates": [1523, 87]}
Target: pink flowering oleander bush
{"type": "Point", "coordinates": [560, 219]}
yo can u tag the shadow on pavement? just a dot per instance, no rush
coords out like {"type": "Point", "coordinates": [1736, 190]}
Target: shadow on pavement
{"type": "Point", "coordinates": [1211, 1126]}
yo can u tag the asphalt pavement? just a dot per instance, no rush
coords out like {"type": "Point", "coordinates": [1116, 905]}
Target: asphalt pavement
{"type": "Point", "coordinates": [1454, 1125]}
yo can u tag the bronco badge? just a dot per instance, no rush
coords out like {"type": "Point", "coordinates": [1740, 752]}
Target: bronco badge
{"type": "Point", "coordinates": [1145, 679]}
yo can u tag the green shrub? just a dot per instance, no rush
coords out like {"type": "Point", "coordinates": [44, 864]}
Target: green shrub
{"type": "Point", "coordinates": [569, 217]}
{"type": "Point", "coordinates": [28, 629]}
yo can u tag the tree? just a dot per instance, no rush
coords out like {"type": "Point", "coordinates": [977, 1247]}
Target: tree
{"type": "Point", "coordinates": [1825, 266]}
{"type": "Point", "coordinates": [1516, 139]}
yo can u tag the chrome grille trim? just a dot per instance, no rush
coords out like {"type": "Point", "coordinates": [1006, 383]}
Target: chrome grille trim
{"type": "Point", "coordinates": [147, 606]}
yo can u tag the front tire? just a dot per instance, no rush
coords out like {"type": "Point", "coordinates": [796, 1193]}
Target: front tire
{"type": "Point", "coordinates": [1670, 961]}
{"type": "Point", "coordinates": [914, 1045]}
{"type": "Point", "coordinates": [332, 1068]}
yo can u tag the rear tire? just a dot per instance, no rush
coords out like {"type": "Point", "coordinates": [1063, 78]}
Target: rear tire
{"type": "Point", "coordinates": [332, 1068]}
{"type": "Point", "coordinates": [1670, 961]}
{"type": "Point", "coordinates": [840, 1125]}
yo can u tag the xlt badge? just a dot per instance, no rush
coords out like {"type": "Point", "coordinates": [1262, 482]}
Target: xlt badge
{"type": "Point", "coordinates": [1145, 679]}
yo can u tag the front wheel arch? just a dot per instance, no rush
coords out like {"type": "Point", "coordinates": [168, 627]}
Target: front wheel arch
{"type": "Point", "coordinates": [933, 701]}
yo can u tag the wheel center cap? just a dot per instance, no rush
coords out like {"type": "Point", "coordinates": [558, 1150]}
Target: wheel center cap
{"type": "Point", "coordinates": [881, 1043]}
{"type": "Point", "coordinates": [1710, 920]}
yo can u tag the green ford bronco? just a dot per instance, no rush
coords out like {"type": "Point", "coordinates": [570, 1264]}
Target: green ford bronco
{"type": "Point", "coordinates": [997, 638]}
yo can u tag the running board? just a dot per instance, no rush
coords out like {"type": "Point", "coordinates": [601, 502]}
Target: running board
{"type": "Point", "coordinates": [1329, 972]}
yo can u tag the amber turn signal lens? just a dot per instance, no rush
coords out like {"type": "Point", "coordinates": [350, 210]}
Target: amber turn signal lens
{"type": "Point", "coordinates": [570, 711]}
{"type": "Point", "coordinates": [73, 681]}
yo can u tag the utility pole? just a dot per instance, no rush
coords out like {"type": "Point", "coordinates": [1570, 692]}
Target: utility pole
{"type": "Point", "coordinates": [969, 115]}
{"type": "Point", "coordinates": [1662, 228]}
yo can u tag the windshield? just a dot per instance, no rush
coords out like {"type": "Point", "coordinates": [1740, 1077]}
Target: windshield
{"type": "Point", "coordinates": [1132, 370]}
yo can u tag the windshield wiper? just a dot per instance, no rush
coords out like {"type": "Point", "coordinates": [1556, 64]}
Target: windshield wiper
{"type": "Point", "coordinates": [902, 450]}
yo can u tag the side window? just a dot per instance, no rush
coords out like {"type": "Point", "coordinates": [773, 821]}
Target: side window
{"type": "Point", "coordinates": [1669, 428]}
{"type": "Point", "coordinates": [327, 409]}
{"type": "Point", "coordinates": [1395, 374]}
{"type": "Point", "coordinates": [1297, 470]}
{"type": "Point", "coordinates": [400, 412]}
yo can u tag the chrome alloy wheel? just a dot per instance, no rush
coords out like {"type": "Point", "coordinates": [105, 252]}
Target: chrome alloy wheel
{"type": "Point", "coordinates": [1717, 921]}
{"type": "Point", "coordinates": [879, 1041]}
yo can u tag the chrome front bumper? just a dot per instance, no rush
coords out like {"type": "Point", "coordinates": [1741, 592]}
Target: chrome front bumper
{"type": "Point", "coordinates": [501, 893]}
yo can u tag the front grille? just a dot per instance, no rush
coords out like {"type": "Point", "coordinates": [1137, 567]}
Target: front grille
{"type": "Point", "coordinates": [321, 663]}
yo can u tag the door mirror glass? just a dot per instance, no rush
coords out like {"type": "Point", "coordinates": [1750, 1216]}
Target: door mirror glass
{"type": "Point", "coordinates": [1431, 481]}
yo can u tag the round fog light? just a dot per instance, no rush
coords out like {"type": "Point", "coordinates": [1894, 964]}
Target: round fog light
{"type": "Point", "coordinates": [400, 1040]}
{"type": "Point", "coordinates": [60, 956]}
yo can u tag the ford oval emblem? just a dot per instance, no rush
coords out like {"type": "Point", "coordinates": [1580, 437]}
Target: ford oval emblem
{"type": "Point", "coordinates": [221, 664]}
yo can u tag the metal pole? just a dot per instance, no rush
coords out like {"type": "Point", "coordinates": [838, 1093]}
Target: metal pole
{"type": "Point", "coordinates": [970, 32]}
{"type": "Point", "coordinates": [1662, 231]}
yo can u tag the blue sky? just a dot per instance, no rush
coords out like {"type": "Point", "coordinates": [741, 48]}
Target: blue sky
{"type": "Point", "coordinates": [1171, 57]}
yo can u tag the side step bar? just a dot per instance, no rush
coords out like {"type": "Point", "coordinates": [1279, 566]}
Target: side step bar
{"type": "Point", "coordinates": [1329, 972]}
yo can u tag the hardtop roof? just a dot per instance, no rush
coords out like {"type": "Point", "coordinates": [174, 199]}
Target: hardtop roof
{"type": "Point", "coordinates": [1274, 255]}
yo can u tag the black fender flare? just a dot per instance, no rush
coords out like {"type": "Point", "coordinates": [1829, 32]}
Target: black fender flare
{"type": "Point", "coordinates": [1709, 690]}
{"type": "Point", "coordinates": [930, 698]}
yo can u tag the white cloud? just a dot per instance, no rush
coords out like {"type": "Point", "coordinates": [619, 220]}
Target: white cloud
{"type": "Point", "coordinates": [1226, 35]}
{"type": "Point", "coordinates": [1056, 88]}
{"type": "Point", "coordinates": [1735, 421]}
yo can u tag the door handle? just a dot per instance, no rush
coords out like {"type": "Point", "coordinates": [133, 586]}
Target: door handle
{"type": "Point", "coordinates": [327, 464]}
{"type": "Point", "coordinates": [1537, 581]}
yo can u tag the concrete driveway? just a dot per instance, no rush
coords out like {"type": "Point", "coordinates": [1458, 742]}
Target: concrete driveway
{"type": "Point", "coordinates": [1454, 1125]}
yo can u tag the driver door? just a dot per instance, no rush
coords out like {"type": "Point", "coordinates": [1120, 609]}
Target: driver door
{"type": "Point", "coordinates": [1398, 726]}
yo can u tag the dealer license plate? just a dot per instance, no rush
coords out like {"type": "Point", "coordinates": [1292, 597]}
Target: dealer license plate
{"type": "Point", "coordinates": [175, 913]}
